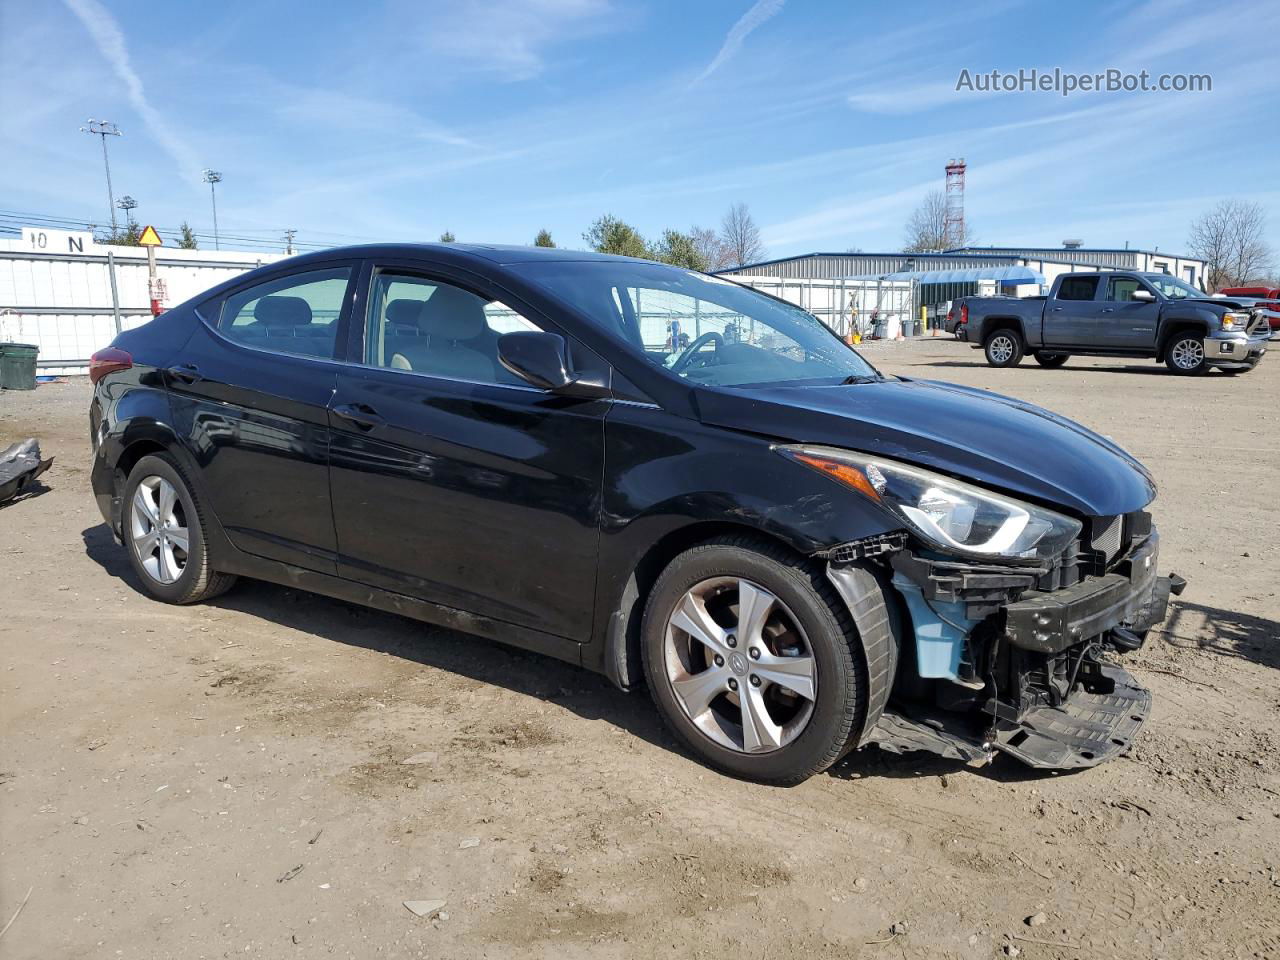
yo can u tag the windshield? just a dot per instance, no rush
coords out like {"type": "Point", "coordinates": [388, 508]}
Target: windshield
{"type": "Point", "coordinates": [1173, 288]}
{"type": "Point", "coordinates": [701, 328]}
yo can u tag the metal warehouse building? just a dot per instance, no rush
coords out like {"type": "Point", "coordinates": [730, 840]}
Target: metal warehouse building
{"type": "Point", "coordinates": [938, 278]}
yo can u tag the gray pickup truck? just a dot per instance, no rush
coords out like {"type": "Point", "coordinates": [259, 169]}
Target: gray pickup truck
{"type": "Point", "coordinates": [1117, 314]}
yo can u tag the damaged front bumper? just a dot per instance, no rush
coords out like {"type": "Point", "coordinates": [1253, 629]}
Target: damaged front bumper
{"type": "Point", "coordinates": [995, 658]}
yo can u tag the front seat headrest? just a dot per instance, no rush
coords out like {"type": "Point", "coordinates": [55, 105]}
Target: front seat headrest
{"type": "Point", "coordinates": [453, 314]}
{"type": "Point", "coordinates": [276, 311]}
{"type": "Point", "coordinates": [403, 312]}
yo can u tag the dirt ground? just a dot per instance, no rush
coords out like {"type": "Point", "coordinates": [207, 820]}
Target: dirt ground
{"type": "Point", "coordinates": [229, 780]}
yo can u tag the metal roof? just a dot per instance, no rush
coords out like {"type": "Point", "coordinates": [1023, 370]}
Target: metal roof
{"type": "Point", "coordinates": [1004, 275]}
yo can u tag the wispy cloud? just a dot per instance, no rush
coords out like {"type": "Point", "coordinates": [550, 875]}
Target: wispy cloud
{"type": "Point", "coordinates": [508, 39]}
{"type": "Point", "coordinates": [109, 39]}
{"type": "Point", "coordinates": [760, 11]}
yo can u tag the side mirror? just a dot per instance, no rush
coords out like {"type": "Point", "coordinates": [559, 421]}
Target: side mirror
{"type": "Point", "coordinates": [542, 360]}
{"type": "Point", "coordinates": [1146, 296]}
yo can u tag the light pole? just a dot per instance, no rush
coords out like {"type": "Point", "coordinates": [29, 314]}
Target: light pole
{"type": "Point", "coordinates": [128, 205]}
{"type": "Point", "coordinates": [104, 129]}
{"type": "Point", "coordinates": [211, 177]}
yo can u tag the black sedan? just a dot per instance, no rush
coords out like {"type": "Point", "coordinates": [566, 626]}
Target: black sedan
{"type": "Point", "coordinates": [660, 475]}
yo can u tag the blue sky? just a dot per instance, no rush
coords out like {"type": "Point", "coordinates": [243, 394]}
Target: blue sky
{"type": "Point", "coordinates": [396, 120]}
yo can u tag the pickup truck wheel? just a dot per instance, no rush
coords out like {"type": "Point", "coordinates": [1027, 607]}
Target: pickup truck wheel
{"type": "Point", "coordinates": [1004, 348]}
{"type": "Point", "coordinates": [1051, 360]}
{"type": "Point", "coordinates": [1185, 354]}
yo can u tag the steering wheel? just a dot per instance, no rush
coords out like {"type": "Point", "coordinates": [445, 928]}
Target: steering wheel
{"type": "Point", "coordinates": [687, 355]}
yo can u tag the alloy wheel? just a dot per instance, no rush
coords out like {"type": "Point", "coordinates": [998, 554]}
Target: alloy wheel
{"type": "Point", "coordinates": [740, 665]}
{"type": "Point", "coordinates": [1001, 349]}
{"type": "Point", "coordinates": [1188, 354]}
{"type": "Point", "coordinates": [158, 529]}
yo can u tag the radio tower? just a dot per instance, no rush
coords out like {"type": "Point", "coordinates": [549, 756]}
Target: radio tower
{"type": "Point", "coordinates": [953, 231]}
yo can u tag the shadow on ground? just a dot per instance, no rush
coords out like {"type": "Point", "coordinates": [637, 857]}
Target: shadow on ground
{"type": "Point", "coordinates": [1193, 626]}
{"type": "Point", "coordinates": [587, 694]}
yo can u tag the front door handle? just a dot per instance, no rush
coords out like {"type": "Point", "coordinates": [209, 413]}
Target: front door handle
{"type": "Point", "coordinates": [361, 414]}
{"type": "Point", "coordinates": [1056, 309]}
{"type": "Point", "coordinates": [187, 373]}
{"type": "Point", "coordinates": [1108, 309]}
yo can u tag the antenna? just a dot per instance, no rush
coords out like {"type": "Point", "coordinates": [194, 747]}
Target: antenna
{"type": "Point", "coordinates": [953, 231]}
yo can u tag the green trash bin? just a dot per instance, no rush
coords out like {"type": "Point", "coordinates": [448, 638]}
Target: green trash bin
{"type": "Point", "coordinates": [18, 366]}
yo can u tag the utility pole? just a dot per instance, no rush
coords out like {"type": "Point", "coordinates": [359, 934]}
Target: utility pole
{"type": "Point", "coordinates": [288, 240]}
{"type": "Point", "coordinates": [104, 129]}
{"type": "Point", "coordinates": [211, 177]}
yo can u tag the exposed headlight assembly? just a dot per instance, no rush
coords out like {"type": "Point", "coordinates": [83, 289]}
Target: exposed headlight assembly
{"type": "Point", "coordinates": [954, 517]}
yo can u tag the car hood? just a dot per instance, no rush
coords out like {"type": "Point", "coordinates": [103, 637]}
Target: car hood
{"type": "Point", "coordinates": [970, 434]}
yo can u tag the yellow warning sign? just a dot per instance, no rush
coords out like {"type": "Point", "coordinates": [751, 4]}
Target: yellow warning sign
{"type": "Point", "coordinates": [149, 238]}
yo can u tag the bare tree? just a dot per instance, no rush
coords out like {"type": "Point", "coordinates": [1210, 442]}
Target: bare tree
{"type": "Point", "coordinates": [740, 237]}
{"type": "Point", "coordinates": [927, 226]}
{"type": "Point", "coordinates": [1229, 239]}
{"type": "Point", "coordinates": [709, 246]}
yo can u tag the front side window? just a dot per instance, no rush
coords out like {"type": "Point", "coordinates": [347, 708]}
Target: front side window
{"type": "Point", "coordinates": [294, 314]}
{"type": "Point", "coordinates": [1078, 288]}
{"type": "Point", "coordinates": [1122, 288]}
{"type": "Point", "coordinates": [426, 326]}
{"type": "Point", "coordinates": [699, 327]}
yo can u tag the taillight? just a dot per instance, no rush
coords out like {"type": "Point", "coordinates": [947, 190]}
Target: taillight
{"type": "Point", "coordinates": [951, 315]}
{"type": "Point", "coordinates": [964, 313]}
{"type": "Point", "coordinates": [109, 360]}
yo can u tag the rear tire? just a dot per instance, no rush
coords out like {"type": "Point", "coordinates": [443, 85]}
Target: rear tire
{"type": "Point", "coordinates": [1184, 354]}
{"type": "Point", "coordinates": [1004, 347]}
{"type": "Point", "coordinates": [165, 530]}
{"type": "Point", "coordinates": [802, 668]}
{"type": "Point", "coordinates": [1051, 360]}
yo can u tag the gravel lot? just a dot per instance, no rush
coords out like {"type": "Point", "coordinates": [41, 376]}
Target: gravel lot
{"type": "Point", "coordinates": [229, 780]}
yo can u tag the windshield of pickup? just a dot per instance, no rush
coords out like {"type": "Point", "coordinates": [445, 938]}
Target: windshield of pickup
{"type": "Point", "coordinates": [699, 327]}
{"type": "Point", "coordinates": [1172, 288]}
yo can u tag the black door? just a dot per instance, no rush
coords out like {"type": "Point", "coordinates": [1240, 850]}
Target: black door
{"type": "Point", "coordinates": [453, 480]}
{"type": "Point", "coordinates": [250, 398]}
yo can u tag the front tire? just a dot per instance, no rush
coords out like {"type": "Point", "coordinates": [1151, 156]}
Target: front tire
{"type": "Point", "coordinates": [165, 533]}
{"type": "Point", "coordinates": [753, 660]}
{"type": "Point", "coordinates": [1004, 348]}
{"type": "Point", "coordinates": [1051, 360]}
{"type": "Point", "coordinates": [1184, 354]}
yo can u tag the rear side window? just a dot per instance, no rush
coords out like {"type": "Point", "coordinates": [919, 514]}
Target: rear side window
{"type": "Point", "coordinates": [1078, 288]}
{"type": "Point", "coordinates": [294, 314]}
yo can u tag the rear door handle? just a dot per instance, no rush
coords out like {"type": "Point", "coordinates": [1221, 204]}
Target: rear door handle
{"type": "Point", "coordinates": [1108, 309]}
{"type": "Point", "coordinates": [1056, 309]}
{"type": "Point", "coordinates": [187, 373]}
{"type": "Point", "coordinates": [361, 414]}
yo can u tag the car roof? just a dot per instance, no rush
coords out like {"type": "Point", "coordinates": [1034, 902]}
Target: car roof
{"type": "Point", "coordinates": [494, 253]}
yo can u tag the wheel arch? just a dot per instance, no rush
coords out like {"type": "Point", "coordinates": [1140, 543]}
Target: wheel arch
{"type": "Point", "coordinates": [991, 324]}
{"type": "Point", "coordinates": [134, 439]}
{"type": "Point", "coordinates": [1175, 327]}
{"type": "Point", "coordinates": [620, 648]}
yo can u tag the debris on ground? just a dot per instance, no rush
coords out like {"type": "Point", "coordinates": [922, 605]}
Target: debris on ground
{"type": "Point", "coordinates": [290, 874]}
{"type": "Point", "coordinates": [468, 842]}
{"type": "Point", "coordinates": [20, 464]}
{"type": "Point", "coordinates": [1037, 919]}
{"type": "Point", "coordinates": [427, 756]}
{"type": "Point", "coordinates": [425, 908]}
